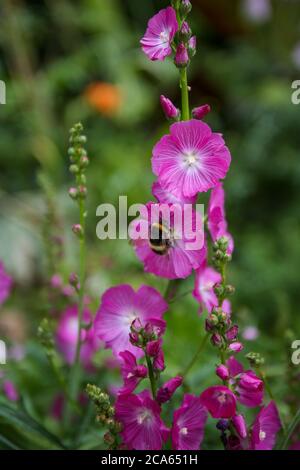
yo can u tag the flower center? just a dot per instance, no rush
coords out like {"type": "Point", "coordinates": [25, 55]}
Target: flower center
{"type": "Point", "coordinates": [184, 431]}
{"type": "Point", "coordinates": [222, 398]}
{"type": "Point", "coordinates": [262, 435]}
{"type": "Point", "coordinates": [144, 416]}
{"type": "Point", "coordinates": [190, 158]}
{"type": "Point", "coordinates": [164, 36]}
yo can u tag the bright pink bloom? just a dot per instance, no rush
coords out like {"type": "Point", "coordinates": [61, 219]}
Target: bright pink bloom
{"type": "Point", "coordinates": [222, 372]}
{"type": "Point", "coordinates": [120, 306]}
{"type": "Point", "coordinates": [171, 112]}
{"type": "Point", "coordinates": [220, 401]}
{"type": "Point", "coordinates": [166, 392]}
{"type": "Point", "coordinates": [205, 280]}
{"type": "Point", "coordinates": [66, 336]}
{"type": "Point", "coordinates": [201, 111]}
{"type": "Point", "coordinates": [164, 196]}
{"type": "Point", "coordinates": [5, 284]}
{"type": "Point", "coordinates": [188, 424]}
{"type": "Point", "coordinates": [181, 57]}
{"type": "Point", "coordinates": [236, 347]}
{"type": "Point", "coordinates": [217, 223]}
{"type": "Point", "coordinates": [132, 373]}
{"type": "Point", "coordinates": [154, 350]}
{"type": "Point", "coordinates": [159, 35]}
{"type": "Point", "coordinates": [235, 367]}
{"type": "Point", "coordinates": [265, 427]}
{"type": "Point", "coordinates": [191, 158]}
{"type": "Point", "coordinates": [184, 249]}
{"type": "Point", "coordinates": [10, 390]}
{"type": "Point", "coordinates": [240, 425]}
{"type": "Point", "coordinates": [250, 389]}
{"type": "Point", "coordinates": [143, 428]}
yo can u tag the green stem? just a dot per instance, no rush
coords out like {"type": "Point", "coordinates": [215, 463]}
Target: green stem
{"type": "Point", "coordinates": [290, 431]}
{"type": "Point", "coordinates": [151, 376]}
{"type": "Point", "coordinates": [185, 108]}
{"type": "Point", "coordinates": [196, 356]}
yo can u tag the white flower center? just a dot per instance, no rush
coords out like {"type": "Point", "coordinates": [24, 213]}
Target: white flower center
{"type": "Point", "coordinates": [222, 398]}
{"type": "Point", "coordinates": [190, 158]}
{"type": "Point", "coordinates": [183, 431]}
{"type": "Point", "coordinates": [262, 435]}
{"type": "Point", "coordinates": [164, 36]}
{"type": "Point", "coordinates": [144, 416]}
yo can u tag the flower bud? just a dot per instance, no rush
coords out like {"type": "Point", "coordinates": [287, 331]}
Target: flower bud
{"type": "Point", "coordinates": [153, 348]}
{"type": "Point", "coordinates": [222, 372]}
{"type": "Point", "coordinates": [73, 193]}
{"type": "Point", "coordinates": [171, 112]}
{"type": "Point", "coordinates": [185, 32]}
{"type": "Point", "coordinates": [236, 347]}
{"type": "Point", "coordinates": [74, 169]}
{"type": "Point", "coordinates": [77, 229]}
{"type": "Point", "coordinates": [82, 191]}
{"type": "Point", "coordinates": [216, 340]}
{"type": "Point", "coordinates": [232, 333]}
{"type": "Point", "coordinates": [201, 111]}
{"type": "Point", "coordinates": [84, 161]}
{"type": "Point", "coordinates": [192, 45]}
{"type": "Point", "coordinates": [134, 338]}
{"type": "Point", "coordinates": [73, 279]}
{"type": "Point", "coordinates": [185, 7]}
{"type": "Point", "coordinates": [181, 57]}
{"type": "Point", "coordinates": [166, 392]}
{"type": "Point", "coordinates": [222, 424]}
{"type": "Point", "coordinates": [239, 423]}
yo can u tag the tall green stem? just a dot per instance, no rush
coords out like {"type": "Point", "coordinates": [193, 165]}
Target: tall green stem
{"type": "Point", "coordinates": [185, 108]}
{"type": "Point", "coordinates": [290, 431]}
{"type": "Point", "coordinates": [151, 376]}
{"type": "Point", "coordinates": [196, 356]}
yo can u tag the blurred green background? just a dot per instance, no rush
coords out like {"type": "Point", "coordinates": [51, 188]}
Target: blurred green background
{"type": "Point", "coordinates": [65, 61]}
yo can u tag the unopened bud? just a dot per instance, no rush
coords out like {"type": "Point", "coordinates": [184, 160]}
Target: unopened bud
{"type": "Point", "coordinates": [185, 8]}
{"type": "Point", "coordinates": [181, 57]}
{"type": "Point", "coordinates": [73, 193]}
{"type": "Point", "coordinates": [77, 229]}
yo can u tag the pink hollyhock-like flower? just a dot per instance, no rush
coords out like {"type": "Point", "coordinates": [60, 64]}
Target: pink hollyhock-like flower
{"type": "Point", "coordinates": [143, 428]}
{"type": "Point", "coordinates": [206, 278]}
{"type": "Point", "coordinates": [265, 428]}
{"type": "Point", "coordinates": [132, 373]}
{"type": "Point", "coordinates": [5, 284]}
{"type": "Point", "coordinates": [10, 390]}
{"type": "Point", "coordinates": [159, 35]}
{"type": "Point", "coordinates": [171, 112]}
{"type": "Point", "coordinates": [120, 306]}
{"type": "Point", "coordinates": [220, 401]}
{"type": "Point", "coordinates": [188, 424]}
{"type": "Point", "coordinates": [191, 158]}
{"type": "Point", "coordinates": [249, 387]}
{"type": "Point", "coordinates": [66, 336]}
{"type": "Point", "coordinates": [166, 392]}
{"type": "Point", "coordinates": [164, 196]}
{"type": "Point", "coordinates": [217, 223]}
{"type": "Point", "coordinates": [172, 247]}
{"type": "Point", "coordinates": [201, 111]}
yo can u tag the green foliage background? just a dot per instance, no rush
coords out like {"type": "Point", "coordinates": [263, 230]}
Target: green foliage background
{"type": "Point", "coordinates": [50, 52]}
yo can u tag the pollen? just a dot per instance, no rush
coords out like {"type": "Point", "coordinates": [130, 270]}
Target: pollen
{"type": "Point", "coordinates": [262, 435]}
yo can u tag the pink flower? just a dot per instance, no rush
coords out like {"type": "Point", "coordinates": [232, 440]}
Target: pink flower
{"type": "Point", "coordinates": [159, 35]}
{"type": "Point", "coordinates": [181, 57]}
{"type": "Point", "coordinates": [250, 389]}
{"type": "Point", "coordinates": [201, 111]}
{"type": "Point", "coordinates": [240, 425]}
{"type": "Point", "coordinates": [206, 279]}
{"type": "Point", "coordinates": [236, 347]}
{"type": "Point", "coordinates": [265, 427]}
{"type": "Point", "coordinates": [132, 373]}
{"type": "Point", "coordinates": [222, 372]}
{"type": "Point", "coordinates": [5, 284]}
{"type": "Point", "coordinates": [66, 336]}
{"type": "Point", "coordinates": [164, 196]}
{"type": "Point", "coordinates": [220, 401]}
{"type": "Point", "coordinates": [120, 306]}
{"type": "Point", "coordinates": [182, 249]}
{"type": "Point", "coordinates": [10, 390]}
{"type": "Point", "coordinates": [154, 350]}
{"type": "Point", "coordinates": [166, 392]}
{"type": "Point", "coordinates": [188, 424]}
{"type": "Point", "coordinates": [171, 112]}
{"type": "Point", "coordinates": [217, 223]}
{"type": "Point", "coordinates": [143, 428]}
{"type": "Point", "coordinates": [191, 159]}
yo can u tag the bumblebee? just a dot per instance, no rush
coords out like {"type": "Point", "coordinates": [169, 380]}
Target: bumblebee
{"type": "Point", "coordinates": [159, 239]}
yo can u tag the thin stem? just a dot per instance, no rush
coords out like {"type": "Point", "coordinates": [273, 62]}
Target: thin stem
{"type": "Point", "coordinates": [185, 108]}
{"type": "Point", "coordinates": [196, 356]}
{"type": "Point", "coordinates": [290, 431]}
{"type": "Point", "coordinates": [151, 376]}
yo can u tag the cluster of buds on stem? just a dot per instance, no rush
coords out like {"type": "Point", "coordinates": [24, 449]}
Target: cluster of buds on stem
{"type": "Point", "coordinates": [221, 256]}
{"type": "Point", "coordinates": [78, 164]}
{"type": "Point", "coordinates": [224, 332]}
{"type": "Point", "coordinates": [184, 42]}
{"type": "Point", "coordinates": [45, 336]}
{"type": "Point", "coordinates": [105, 415]}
